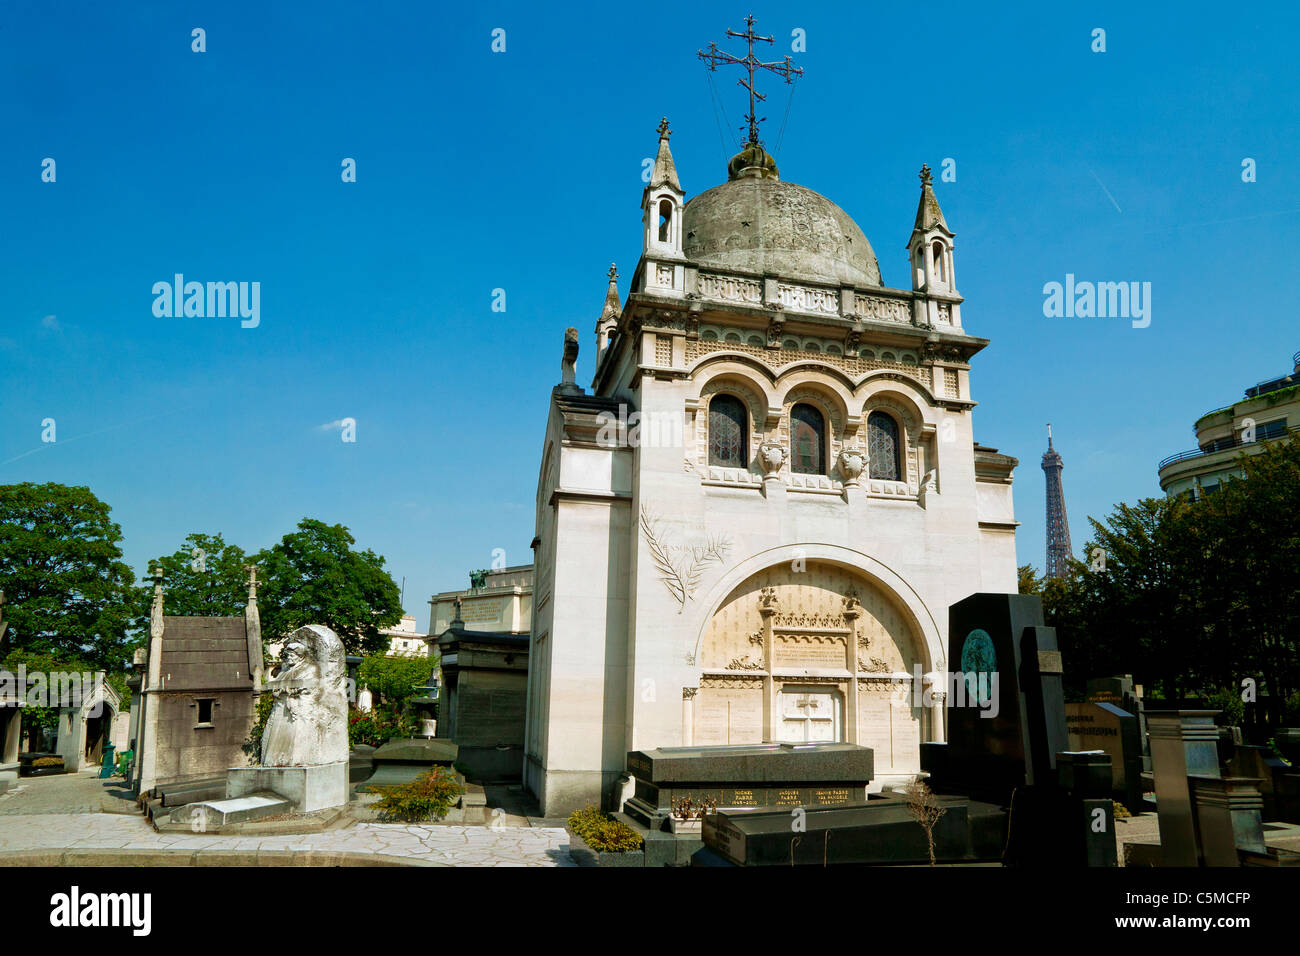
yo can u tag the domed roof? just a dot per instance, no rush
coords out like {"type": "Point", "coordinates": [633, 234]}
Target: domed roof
{"type": "Point", "coordinates": [760, 224]}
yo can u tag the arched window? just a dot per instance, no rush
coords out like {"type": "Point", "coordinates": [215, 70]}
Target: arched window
{"type": "Point", "coordinates": [665, 220]}
{"type": "Point", "coordinates": [937, 249]}
{"type": "Point", "coordinates": [807, 441]}
{"type": "Point", "coordinates": [728, 432]}
{"type": "Point", "coordinates": [882, 446]}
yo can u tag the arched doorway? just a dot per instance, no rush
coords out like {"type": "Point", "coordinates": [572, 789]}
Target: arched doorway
{"type": "Point", "coordinates": [811, 650]}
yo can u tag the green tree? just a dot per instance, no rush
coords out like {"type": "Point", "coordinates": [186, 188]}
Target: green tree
{"type": "Point", "coordinates": [1028, 580]}
{"type": "Point", "coordinates": [313, 576]}
{"type": "Point", "coordinates": [68, 593]}
{"type": "Point", "coordinates": [205, 578]}
{"type": "Point", "coordinates": [394, 679]}
{"type": "Point", "coordinates": [1248, 534]}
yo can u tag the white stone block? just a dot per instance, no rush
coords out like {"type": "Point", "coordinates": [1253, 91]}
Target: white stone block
{"type": "Point", "coordinates": [316, 787]}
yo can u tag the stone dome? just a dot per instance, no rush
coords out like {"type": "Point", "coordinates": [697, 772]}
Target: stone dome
{"type": "Point", "coordinates": [762, 224]}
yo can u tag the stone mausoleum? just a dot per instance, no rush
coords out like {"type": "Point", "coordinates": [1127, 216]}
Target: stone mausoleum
{"type": "Point", "coordinates": [197, 693]}
{"type": "Point", "coordinates": [752, 526]}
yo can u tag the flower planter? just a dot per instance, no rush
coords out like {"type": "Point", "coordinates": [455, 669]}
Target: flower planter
{"type": "Point", "coordinates": [29, 771]}
{"type": "Point", "coordinates": [27, 765]}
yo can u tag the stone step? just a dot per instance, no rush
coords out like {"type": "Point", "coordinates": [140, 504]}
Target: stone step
{"type": "Point", "coordinates": [8, 779]}
{"type": "Point", "coordinates": [191, 791]}
{"type": "Point", "coordinates": [209, 814]}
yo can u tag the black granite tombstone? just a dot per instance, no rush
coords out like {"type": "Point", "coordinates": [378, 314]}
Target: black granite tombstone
{"type": "Point", "coordinates": [747, 776]}
{"type": "Point", "coordinates": [879, 832]}
{"type": "Point", "coordinates": [1005, 709]}
{"type": "Point", "coordinates": [1006, 719]}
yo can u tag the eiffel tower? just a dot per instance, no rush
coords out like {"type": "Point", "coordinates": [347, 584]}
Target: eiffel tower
{"type": "Point", "coordinates": [1058, 525]}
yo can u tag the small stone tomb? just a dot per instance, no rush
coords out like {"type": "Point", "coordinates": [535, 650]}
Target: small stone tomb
{"type": "Point", "coordinates": [747, 777]}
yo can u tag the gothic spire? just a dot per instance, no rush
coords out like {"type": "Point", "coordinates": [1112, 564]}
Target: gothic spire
{"type": "Point", "coordinates": [613, 305]}
{"type": "Point", "coordinates": [928, 214]}
{"type": "Point", "coordinates": [665, 171]}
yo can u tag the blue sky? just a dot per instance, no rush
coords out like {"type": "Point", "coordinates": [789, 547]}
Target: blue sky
{"type": "Point", "coordinates": [522, 171]}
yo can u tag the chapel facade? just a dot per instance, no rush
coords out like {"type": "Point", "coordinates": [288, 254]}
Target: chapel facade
{"type": "Point", "coordinates": [752, 527]}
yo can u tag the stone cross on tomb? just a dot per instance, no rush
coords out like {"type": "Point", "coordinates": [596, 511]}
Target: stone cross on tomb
{"type": "Point", "coordinates": [715, 57]}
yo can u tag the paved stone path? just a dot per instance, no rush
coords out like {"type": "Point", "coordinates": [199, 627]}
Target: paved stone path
{"type": "Point", "coordinates": [435, 845]}
{"type": "Point", "coordinates": [80, 792]}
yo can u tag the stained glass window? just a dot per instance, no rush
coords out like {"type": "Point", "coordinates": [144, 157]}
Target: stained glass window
{"type": "Point", "coordinates": [807, 441]}
{"type": "Point", "coordinates": [882, 446]}
{"type": "Point", "coordinates": [728, 447]}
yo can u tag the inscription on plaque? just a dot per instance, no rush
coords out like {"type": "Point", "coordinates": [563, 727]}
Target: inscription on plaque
{"type": "Point", "coordinates": [729, 715]}
{"type": "Point", "coordinates": [815, 654]}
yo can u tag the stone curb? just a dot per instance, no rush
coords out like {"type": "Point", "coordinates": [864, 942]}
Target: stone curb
{"type": "Point", "coordinates": [209, 857]}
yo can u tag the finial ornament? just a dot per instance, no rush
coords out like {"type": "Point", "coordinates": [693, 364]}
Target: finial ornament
{"type": "Point", "coordinates": [156, 610]}
{"type": "Point", "coordinates": [613, 272]}
{"type": "Point", "coordinates": [713, 57]}
{"type": "Point", "coordinates": [252, 581]}
{"type": "Point", "coordinates": [664, 131]}
{"type": "Point", "coordinates": [926, 180]}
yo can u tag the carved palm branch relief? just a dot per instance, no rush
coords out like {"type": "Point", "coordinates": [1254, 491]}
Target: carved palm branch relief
{"type": "Point", "coordinates": [680, 567]}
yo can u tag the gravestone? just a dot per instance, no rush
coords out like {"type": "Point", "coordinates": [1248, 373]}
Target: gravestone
{"type": "Point", "coordinates": [305, 745]}
{"type": "Point", "coordinates": [1084, 815]}
{"type": "Point", "coordinates": [1106, 727]}
{"type": "Point", "coordinates": [1127, 696]}
{"type": "Point", "coordinates": [1005, 710]}
{"type": "Point", "coordinates": [1184, 743]}
{"type": "Point", "coordinates": [751, 776]}
{"type": "Point", "coordinates": [1005, 740]}
{"type": "Point", "coordinates": [881, 831]}
{"type": "Point", "coordinates": [1227, 819]}
{"type": "Point", "coordinates": [1279, 784]}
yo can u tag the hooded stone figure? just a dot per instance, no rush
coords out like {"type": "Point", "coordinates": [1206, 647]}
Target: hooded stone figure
{"type": "Point", "coordinates": [308, 723]}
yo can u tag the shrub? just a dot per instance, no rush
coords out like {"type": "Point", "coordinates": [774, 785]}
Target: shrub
{"type": "Point", "coordinates": [602, 832]}
{"type": "Point", "coordinates": [1121, 811]}
{"type": "Point", "coordinates": [431, 794]}
{"type": "Point", "coordinates": [376, 727]}
{"type": "Point", "coordinates": [48, 762]}
{"type": "Point", "coordinates": [1229, 703]}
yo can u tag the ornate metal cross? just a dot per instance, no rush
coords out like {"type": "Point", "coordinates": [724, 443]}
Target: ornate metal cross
{"type": "Point", "coordinates": [713, 57]}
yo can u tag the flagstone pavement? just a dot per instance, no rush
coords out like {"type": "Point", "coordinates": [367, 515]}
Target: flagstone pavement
{"type": "Point", "coordinates": [54, 834]}
{"type": "Point", "coordinates": [79, 819]}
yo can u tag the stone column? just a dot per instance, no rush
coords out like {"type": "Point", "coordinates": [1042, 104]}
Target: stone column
{"type": "Point", "coordinates": [688, 715]}
{"type": "Point", "coordinates": [767, 607]}
{"type": "Point", "coordinates": [11, 719]}
{"type": "Point", "coordinates": [937, 731]}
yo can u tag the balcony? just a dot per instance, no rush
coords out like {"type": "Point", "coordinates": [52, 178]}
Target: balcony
{"type": "Point", "coordinates": [1224, 444]}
